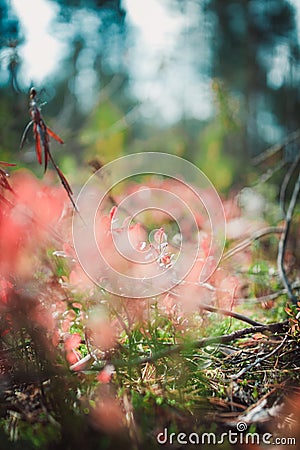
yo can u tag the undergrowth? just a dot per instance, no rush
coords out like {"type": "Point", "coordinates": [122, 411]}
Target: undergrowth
{"type": "Point", "coordinates": [84, 368]}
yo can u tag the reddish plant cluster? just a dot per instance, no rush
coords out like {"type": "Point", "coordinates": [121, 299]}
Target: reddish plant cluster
{"type": "Point", "coordinates": [27, 216]}
{"type": "Point", "coordinates": [30, 297]}
{"type": "Point", "coordinates": [49, 304]}
{"type": "Point", "coordinates": [34, 219]}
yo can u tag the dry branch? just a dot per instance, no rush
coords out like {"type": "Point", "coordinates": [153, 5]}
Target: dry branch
{"type": "Point", "coordinates": [259, 360]}
{"type": "Point", "coordinates": [277, 327]}
{"type": "Point", "coordinates": [245, 243]}
{"type": "Point", "coordinates": [283, 241]}
{"type": "Point", "coordinates": [225, 312]}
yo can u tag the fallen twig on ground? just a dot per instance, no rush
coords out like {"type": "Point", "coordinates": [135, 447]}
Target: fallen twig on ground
{"type": "Point", "coordinates": [171, 350]}
{"type": "Point", "coordinates": [259, 360]}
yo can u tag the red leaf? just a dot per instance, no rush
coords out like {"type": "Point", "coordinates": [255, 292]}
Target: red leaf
{"type": "Point", "coordinates": [112, 213]}
{"type": "Point", "coordinates": [38, 146]}
{"type": "Point", "coordinates": [105, 375]}
{"type": "Point", "coordinates": [72, 341]}
{"type": "Point", "coordinates": [7, 164]}
{"type": "Point", "coordinates": [54, 136]}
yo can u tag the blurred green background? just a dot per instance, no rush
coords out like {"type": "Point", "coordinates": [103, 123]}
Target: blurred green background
{"type": "Point", "coordinates": [213, 81]}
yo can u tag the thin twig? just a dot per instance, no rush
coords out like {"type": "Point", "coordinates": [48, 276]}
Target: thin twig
{"type": "Point", "coordinates": [276, 148]}
{"type": "Point", "coordinates": [283, 241]}
{"type": "Point", "coordinates": [81, 362]}
{"type": "Point", "coordinates": [265, 298]}
{"type": "Point", "coordinates": [259, 360]}
{"type": "Point", "coordinates": [285, 183]}
{"type": "Point", "coordinates": [225, 312]}
{"type": "Point", "coordinates": [224, 339]}
{"type": "Point", "coordinates": [269, 173]}
{"type": "Point", "coordinates": [257, 235]}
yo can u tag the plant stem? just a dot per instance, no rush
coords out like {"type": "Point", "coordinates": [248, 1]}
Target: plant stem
{"type": "Point", "coordinates": [204, 342]}
{"type": "Point", "coordinates": [283, 241]}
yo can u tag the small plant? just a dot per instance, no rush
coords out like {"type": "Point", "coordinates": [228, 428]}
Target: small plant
{"type": "Point", "coordinates": [82, 367]}
{"type": "Point", "coordinates": [42, 135]}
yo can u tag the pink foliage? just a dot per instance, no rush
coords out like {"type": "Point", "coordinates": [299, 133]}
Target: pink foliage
{"type": "Point", "coordinates": [107, 415]}
{"type": "Point", "coordinates": [105, 375]}
{"type": "Point", "coordinates": [26, 233]}
{"type": "Point", "coordinates": [5, 288]}
{"type": "Point", "coordinates": [102, 330]}
{"type": "Point", "coordinates": [25, 222]}
{"type": "Point", "coordinates": [72, 342]}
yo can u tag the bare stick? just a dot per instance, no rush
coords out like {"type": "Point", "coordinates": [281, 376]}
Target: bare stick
{"type": "Point", "coordinates": [265, 298]}
{"type": "Point", "coordinates": [283, 241]}
{"type": "Point", "coordinates": [259, 360]}
{"type": "Point", "coordinates": [224, 339]}
{"type": "Point", "coordinates": [270, 172]}
{"type": "Point", "coordinates": [285, 183]}
{"type": "Point", "coordinates": [257, 235]}
{"type": "Point", "coordinates": [225, 312]}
